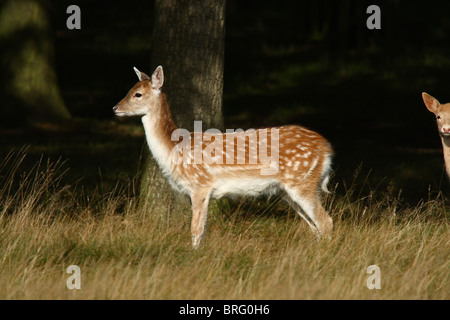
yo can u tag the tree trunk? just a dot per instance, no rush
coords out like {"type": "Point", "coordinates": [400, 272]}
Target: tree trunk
{"type": "Point", "coordinates": [28, 79]}
{"type": "Point", "coordinates": [188, 41]}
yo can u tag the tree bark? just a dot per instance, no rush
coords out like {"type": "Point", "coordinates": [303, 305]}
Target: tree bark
{"type": "Point", "coordinates": [188, 41]}
{"type": "Point", "coordinates": [28, 78]}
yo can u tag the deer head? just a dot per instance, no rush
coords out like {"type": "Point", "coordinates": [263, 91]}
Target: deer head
{"type": "Point", "coordinates": [442, 113]}
{"type": "Point", "coordinates": [142, 98]}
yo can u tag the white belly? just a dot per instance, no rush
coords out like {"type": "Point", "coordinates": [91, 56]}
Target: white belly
{"type": "Point", "coordinates": [250, 187]}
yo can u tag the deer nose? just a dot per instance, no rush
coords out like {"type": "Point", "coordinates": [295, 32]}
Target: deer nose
{"type": "Point", "coordinates": [115, 108]}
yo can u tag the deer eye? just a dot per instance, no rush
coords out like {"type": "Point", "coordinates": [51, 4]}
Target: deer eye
{"type": "Point", "coordinates": [138, 95]}
{"type": "Point", "coordinates": [438, 117]}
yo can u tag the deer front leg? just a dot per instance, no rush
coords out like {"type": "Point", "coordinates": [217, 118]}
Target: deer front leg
{"type": "Point", "coordinates": [200, 201]}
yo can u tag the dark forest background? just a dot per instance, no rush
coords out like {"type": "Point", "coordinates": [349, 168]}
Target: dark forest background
{"type": "Point", "coordinates": [311, 62]}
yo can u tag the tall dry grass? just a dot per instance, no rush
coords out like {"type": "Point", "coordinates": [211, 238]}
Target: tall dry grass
{"type": "Point", "coordinates": [126, 252]}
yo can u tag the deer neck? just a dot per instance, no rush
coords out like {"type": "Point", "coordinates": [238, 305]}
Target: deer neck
{"type": "Point", "coordinates": [158, 131]}
{"type": "Point", "coordinates": [446, 147]}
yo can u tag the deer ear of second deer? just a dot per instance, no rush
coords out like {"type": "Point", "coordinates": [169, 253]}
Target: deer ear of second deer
{"type": "Point", "coordinates": [298, 167]}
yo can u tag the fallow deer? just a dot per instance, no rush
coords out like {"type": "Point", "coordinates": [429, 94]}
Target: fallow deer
{"type": "Point", "coordinates": [442, 113]}
{"type": "Point", "coordinates": [300, 172]}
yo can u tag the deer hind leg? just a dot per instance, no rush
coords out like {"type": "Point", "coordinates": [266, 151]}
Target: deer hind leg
{"type": "Point", "coordinates": [308, 206]}
{"type": "Point", "coordinates": [200, 201]}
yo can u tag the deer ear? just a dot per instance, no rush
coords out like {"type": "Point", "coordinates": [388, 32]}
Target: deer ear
{"type": "Point", "coordinates": [142, 76]}
{"type": "Point", "coordinates": [431, 103]}
{"type": "Point", "coordinates": [158, 78]}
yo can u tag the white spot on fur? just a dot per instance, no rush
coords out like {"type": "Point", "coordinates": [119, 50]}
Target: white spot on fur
{"type": "Point", "coordinates": [313, 166]}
